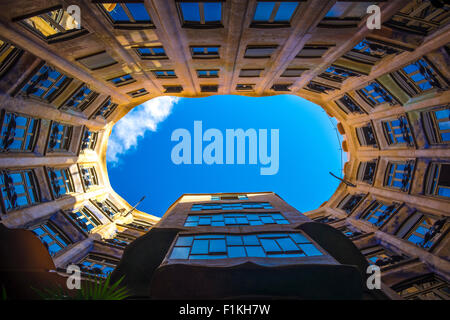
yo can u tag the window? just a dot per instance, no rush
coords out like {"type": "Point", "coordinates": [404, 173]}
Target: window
{"type": "Point", "coordinates": [164, 74]}
{"type": "Point", "coordinates": [258, 52]}
{"type": "Point", "coordinates": [151, 53]}
{"type": "Point", "coordinates": [293, 72]}
{"type": "Point", "coordinates": [369, 51]}
{"type": "Point", "coordinates": [338, 74]}
{"type": "Point", "coordinates": [107, 207]}
{"type": "Point", "coordinates": [138, 93]}
{"type": "Point", "coordinates": [106, 109]}
{"type": "Point", "coordinates": [437, 125]}
{"type": "Point", "coordinates": [274, 14]}
{"type": "Point", "coordinates": [235, 219]}
{"type": "Point", "coordinates": [374, 94]}
{"type": "Point", "coordinates": [419, 77]}
{"type": "Point", "coordinates": [53, 239]}
{"type": "Point", "coordinates": [60, 181]}
{"type": "Point", "coordinates": [266, 245]}
{"type": "Point", "coordinates": [378, 213]}
{"type": "Point", "coordinates": [89, 140]}
{"type": "Point", "coordinates": [231, 206]}
{"type": "Point", "coordinates": [438, 180]}
{"type": "Point", "coordinates": [319, 87]}
{"type": "Point", "coordinates": [350, 202]}
{"type": "Point", "coordinates": [52, 25]}
{"type": "Point", "coordinates": [208, 73]}
{"type": "Point", "coordinates": [95, 265]}
{"type": "Point", "coordinates": [245, 87]}
{"type": "Point", "coordinates": [18, 132]}
{"type": "Point", "coordinates": [350, 232]}
{"type": "Point", "coordinates": [420, 17]}
{"type": "Point", "coordinates": [426, 231]}
{"type": "Point", "coordinates": [348, 105]}
{"type": "Point", "coordinates": [85, 219]}
{"type": "Point", "coordinates": [8, 56]}
{"type": "Point", "coordinates": [205, 52]}
{"type": "Point", "coordinates": [398, 131]}
{"type": "Point", "coordinates": [127, 15]}
{"type": "Point", "coordinates": [250, 73]}
{"type": "Point", "coordinates": [366, 171]}
{"type": "Point", "coordinates": [173, 89]}
{"type": "Point", "coordinates": [60, 137]}
{"type": "Point", "coordinates": [382, 257]}
{"type": "Point", "coordinates": [366, 136]}
{"type": "Point", "coordinates": [97, 61]}
{"type": "Point", "coordinates": [281, 87]}
{"type": "Point", "coordinates": [310, 51]}
{"type": "Point", "coordinates": [345, 14]}
{"type": "Point", "coordinates": [45, 84]}
{"type": "Point", "coordinates": [326, 219]}
{"type": "Point", "coordinates": [230, 197]}
{"type": "Point", "coordinates": [429, 287]}
{"type": "Point", "coordinates": [80, 99]}
{"type": "Point", "coordinates": [121, 240]}
{"type": "Point", "coordinates": [88, 177]}
{"type": "Point", "coordinates": [200, 14]}
{"type": "Point", "coordinates": [122, 80]}
{"type": "Point", "coordinates": [209, 88]}
{"type": "Point", "coordinates": [140, 225]}
{"type": "Point", "coordinates": [399, 175]}
{"type": "Point", "coordinates": [19, 189]}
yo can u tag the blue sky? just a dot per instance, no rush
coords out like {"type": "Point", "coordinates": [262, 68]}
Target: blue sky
{"type": "Point", "coordinates": [140, 146]}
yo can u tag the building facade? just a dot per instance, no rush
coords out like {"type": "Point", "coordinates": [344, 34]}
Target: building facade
{"type": "Point", "coordinates": [66, 79]}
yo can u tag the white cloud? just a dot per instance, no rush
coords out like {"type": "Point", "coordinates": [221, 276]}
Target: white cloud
{"type": "Point", "coordinates": [136, 123]}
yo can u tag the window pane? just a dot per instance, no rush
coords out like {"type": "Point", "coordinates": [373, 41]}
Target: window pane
{"type": "Point", "coordinates": [191, 11]}
{"type": "Point", "coordinates": [263, 11]}
{"type": "Point", "coordinates": [213, 11]}
{"type": "Point", "coordinates": [285, 11]}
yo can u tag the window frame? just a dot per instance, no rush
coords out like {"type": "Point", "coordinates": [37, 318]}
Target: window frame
{"type": "Point", "coordinates": [126, 25]}
{"type": "Point", "coordinates": [205, 55]}
{"type": "Point", "coordinates": [271, 23]}
{"type": "Point", "coordinates": [65, 177]}
{"type": "Point", "coordinates": [34, 187]}
{"type": "Point", "coordinates": [202, 24]}
{"type": "Point", "coordinates": [123, 82]}
{"type": "Point", "coordinates": [65, 142]}
{"type": "Point", "coordinates": [144, 56]}
{"type": "Point", "coordinates": [392, 170]}
{"type": "Point", "coordinates": [31, 123]}
{"type": "Point", "coordinates": [431, 125]}
{"type": "Point", "coordinates": [266, 46]}
{"type": "Point", "coordinates": [432, 178]}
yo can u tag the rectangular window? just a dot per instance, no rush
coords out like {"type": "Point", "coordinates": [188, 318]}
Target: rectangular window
{"type": "Point", "coordinates": [348, 105]}
{"type": "Point", "coordinates": [350, 232]}
{"type": "Point", "coordinates": [318, 87]}
{"type": "Point", "coordinates": [245, 87]}
{"type": "Point", "coordinates": [259, 52]}
{"type": "Point", "coordinates": [250, 73]}
{"type": "Point", "coordinates": [45, 84]}
{"type": "Point", "coordinates": [106, 109]}
{"type": "Point", "coordinates": [205, 52]}
{"type": "Point", "coordinates": [338, 74]}
{"type": "Point", "coordinates": [293, 72]}
{"type": "Point", "coordinates": [173, 89]}
{"type": "Point", "coordinates": [127, 15]}
{"type": "Point", "coordinates": [120, 240]}
{"type": "Point", "coordinates": [89, 177]}
{"type": "Point", "coordinates": [138, 93]}
{"type": "Point", "coordinates": [230, 197]}
{"type": "Point", "coordinates": [350, 202]}
{"type": "Point", "coordinates": [273, 14]}
{"type": "Point", "coordinates": [419, 77]}
{"type": "Point", "coordinates": [52, 25]}
{"type": "Point", "coordinates": [151, 53]}
{"type": "Point", "coordinates": [80, 99]}
{"type": "Point", "coordinates": [369, 51]}
{"type": "Point", "coordinates": [326, 219]}
{"type": "Point", "coordinates": [97, 61]}
{"type": "Point", "coordinates": [366, 136]}
{"type": "Point", "coordinates": [140, 225]}
{"type": "Point", "coordinates": [399, 175]}
{"type": "Point", "coordinates": [437, 125]}
{"type": "Point", "coordinates": [382, 257]}
{"type": "Point", "coordinates": [398, 131]}
{"type": "Point", "coordinates": [235, 219]}
{"type": "Point", "coordinates": [208, 73]}
{"type": "Point", "coordinates": [9, 54]}
{"type": "Point", "coordinates": [345, 14]}
{"type": "Point", "coordinates": [281, 87]}
{"type": "Point", "coordinates": [60, 181]}
{"type": "Point", "coordinates": [53, 239]}
{"type": "Point", "coordinates": [85, 219]}
{"type": "Point", "coordinates": [429, 287]}
{"type": "Point", "coordinates": [209, 88]}
{"type": "Point", "coordinates": [311, 51]}
{"type": "Point", "coordinates": [98, 266]}
{"type": "Point", "coordinates": [19, 189]}
{"type": "Point", "coordinates": [107, 207]}
{"type": "Point", "coordinates": [231, 206]}
{"type": "Point", "coordinates": [374, 94]}
{"type": "Point", "coordinates": [378, 213]}
{"type": "Point", "coordinates": [89, 140]}
{"type": "Point", "coordinates": [164, 74]}
{"type": "Point", "coordinates": [122, 80]}
{"type": "Point", "coordinates": [427, 231]}
{"type": "Point", "coordinates": [366, 171]}
{"type": "Point", "coordinates": [222, 246]}
{"type": "Point", "coordinates": [438, 180]}
{"type": "Point", "coordinates": [200, 14]}
{"type": "Point", "coordinates": [60, 137]}
{"type": "Point", "coordinates": [18, 133]}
